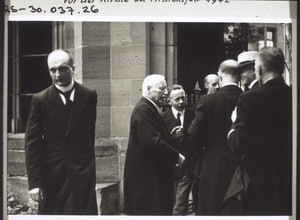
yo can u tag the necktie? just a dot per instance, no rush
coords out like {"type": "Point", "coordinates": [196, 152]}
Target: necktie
{"type": "Point", "coordinates": [67, 96]}
{"type": "Point", "coordinates": [178, 119]}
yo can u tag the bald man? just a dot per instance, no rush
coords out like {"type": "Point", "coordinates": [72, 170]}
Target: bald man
{"type": "Point", "coordinates": [211, 83]}
{"type": "Point", "coordinates": [59, 143]}
{"type": "Point", "coordinates": [209, 129]}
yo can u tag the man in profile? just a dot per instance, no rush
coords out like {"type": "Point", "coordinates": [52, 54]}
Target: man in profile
{"type": "Point", "coordinates": [209, 129]}
{"type": "Point", "coordinates": [151, 156]}
{"type": "Point", "coordinates": [246, 60]}
{"type": "Point", "coordinates": [59, 143]}
{"type": "Point", "coordinates": [178, 119]}
{"type": "Point", "coordinates": [262, 132]}
{"type": "Point", "coordinates": [211, 83]}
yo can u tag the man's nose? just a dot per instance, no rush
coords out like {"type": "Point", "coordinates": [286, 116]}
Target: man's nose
{"type": "Point", "coordinates": [57, 73]}
{"type": "Point", "coordinates": [165, 92]}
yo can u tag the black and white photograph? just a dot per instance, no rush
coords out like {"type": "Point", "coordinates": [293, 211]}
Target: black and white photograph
{"type": "Point", "coordinates": [149, 118]}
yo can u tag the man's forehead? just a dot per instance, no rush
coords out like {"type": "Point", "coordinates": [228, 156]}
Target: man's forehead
{"type": "Point", "coordinates": [159, 83]}
{"type": "Point", "coordinates": [58, 56]}
{"type": "Point", "coordinates": [177, 93]}
{"type": "Point", "coordinates": [214, 80]}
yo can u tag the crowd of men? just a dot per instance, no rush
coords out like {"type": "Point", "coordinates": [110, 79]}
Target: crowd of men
{"type": "Point", "coordinates": [232, 152]}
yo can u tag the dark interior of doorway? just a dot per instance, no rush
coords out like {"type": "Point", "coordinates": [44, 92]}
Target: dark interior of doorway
{"type": "Point", "coordinates": [200, 52]}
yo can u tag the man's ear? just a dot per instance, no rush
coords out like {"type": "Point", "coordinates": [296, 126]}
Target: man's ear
{"type": "Point", "coordinates": [260, 70]}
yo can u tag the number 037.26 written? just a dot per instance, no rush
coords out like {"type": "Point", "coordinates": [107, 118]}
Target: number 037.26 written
{"type": "Point", "coordinates": [57, 10]}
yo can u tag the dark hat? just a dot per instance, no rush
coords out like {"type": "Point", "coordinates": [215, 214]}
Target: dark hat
{"type": "Point", "coordinates": [247, 57]}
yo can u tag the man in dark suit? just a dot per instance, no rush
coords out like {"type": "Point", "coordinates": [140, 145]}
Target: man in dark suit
{"type": "Point", "coordinates": [151, 156]}
{"type": "Point", "coordinates": [246, 60]}
{"type": "Point", "coordinates": [59, 143]}
{"type": "Point", "coordinates": [263, 132]}
{"type": "Point", "coordinates": [209, 129]}
{"type": "Point", "coordinates": [178, 118]}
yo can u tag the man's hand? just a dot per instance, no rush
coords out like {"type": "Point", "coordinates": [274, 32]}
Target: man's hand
{"type": "Point", "coordinates": [181, 159]}
{"type": "Point", "coordinates": [177, 132]}
{"type": "Point", "coordinates": [233, 115]}
{"type": "Point", "coordinates": [36, 194]}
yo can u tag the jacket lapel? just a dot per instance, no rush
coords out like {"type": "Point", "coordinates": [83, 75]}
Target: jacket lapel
{"type": "Point", "coordinates": [79, 103]}
{"type": "Point", "coordinates": [157, 115]}
{"type": "Point", "coordinates": [54, 103]}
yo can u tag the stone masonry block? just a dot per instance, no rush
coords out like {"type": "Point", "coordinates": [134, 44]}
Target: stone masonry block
{"type": "Point", "coordinates": [136, 91]}
{"type": "Point", "coordinates": [102, 87]}
{"type": "Point", "coordinates": [122, 143]}
{"type": "Point", "coordinates": [96, 62]}
{"type": "Point", "coordinates": [107, 169]}
{"type": "Point", "coordinates": [124, 33]}
{"type": "Point", "coordinates": [96, 33]}
{"type": "Point", "coordinates": [120, 121]}
{"type": "Point", "coordinates": [103, 121]}
{"type": "Point", "coordinates": [105, 148]}
{"type": "Point", "coordinates": [139, 33]}
{"type": "Point", "coordinates": [120, 92]}
{"type": "Point", "coordinates": [128, 62]}
{"type": "Point", "coordinates": [16, 141]}
{"type": "Point", "coordinates": [16, 163]}
{"type": "Point", "coordinates": [120, 33]}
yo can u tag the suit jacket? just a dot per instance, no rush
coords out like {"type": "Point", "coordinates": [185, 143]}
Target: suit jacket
{"type": "Point", "coordinates": [210, 127]}
{"type": "Point", "coordinates": [263, 132]}
{"type": "Point", "coordinates": [60, 156]}
{"type": "Point", "coordinates": [150, 158]}
{"type": "Point", "coordinates": [183, 145]}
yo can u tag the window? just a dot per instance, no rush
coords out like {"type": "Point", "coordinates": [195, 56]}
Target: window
{"type": "Point", "coordinates": [269, 38]}
{"type": "Point", "coordinates": [29, 44]}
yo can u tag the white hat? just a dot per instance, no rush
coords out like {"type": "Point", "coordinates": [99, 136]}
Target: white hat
{"type": "Point", "coordinates": [247, 57]}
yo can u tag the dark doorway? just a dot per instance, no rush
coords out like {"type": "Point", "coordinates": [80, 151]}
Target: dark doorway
{"type": "Point", "coordinates": [200, 52]}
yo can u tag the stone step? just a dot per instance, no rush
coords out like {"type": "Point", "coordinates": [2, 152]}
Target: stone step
{"type": "Point", "coordinates": [108, 194]}
{"type": "Point", "coordinates": [106, 157]}
{"type": "Point", "coordinates": [108, 198]}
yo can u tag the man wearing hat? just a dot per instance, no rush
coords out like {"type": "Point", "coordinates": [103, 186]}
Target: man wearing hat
{"type": "Point", "coordinates": [246, 60]}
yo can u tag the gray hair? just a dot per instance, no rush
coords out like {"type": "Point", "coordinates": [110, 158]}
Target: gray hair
{"type": "Point", "coordinates": [151, 80]}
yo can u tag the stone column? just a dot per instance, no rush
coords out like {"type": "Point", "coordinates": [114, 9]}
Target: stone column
{"type": "Point", "coordinates": [163, 51]}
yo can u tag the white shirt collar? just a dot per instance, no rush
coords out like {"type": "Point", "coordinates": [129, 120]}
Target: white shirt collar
{"type": "Point", "coordinates": [66, 89]}
{"type": "Point", "coordinates": [252, 83]}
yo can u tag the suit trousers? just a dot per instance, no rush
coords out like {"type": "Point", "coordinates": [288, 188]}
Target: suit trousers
{"type": "Point", "coordinates": [182, 189]}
